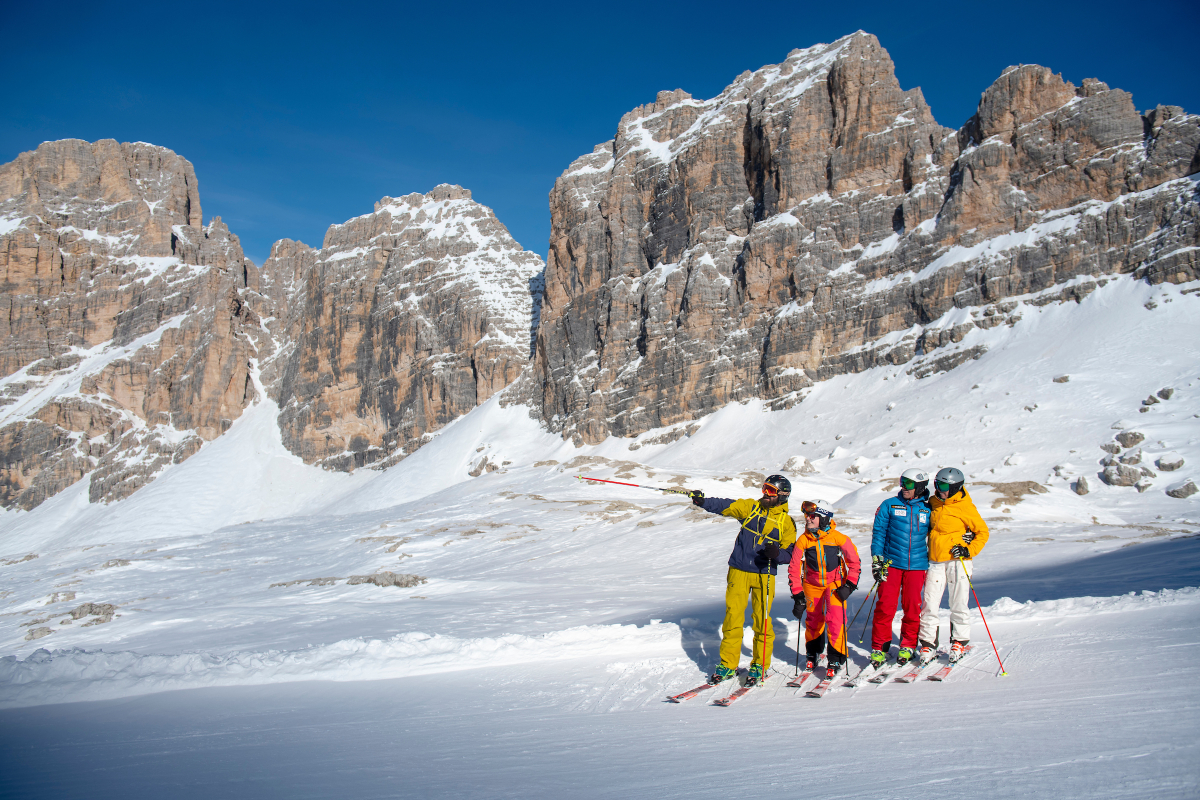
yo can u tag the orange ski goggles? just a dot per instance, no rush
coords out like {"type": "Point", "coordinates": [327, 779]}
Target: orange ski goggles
{"type": "Point", "coordinates": [769, 491]}
{"type": "Point", "coordinates": [809, 508]}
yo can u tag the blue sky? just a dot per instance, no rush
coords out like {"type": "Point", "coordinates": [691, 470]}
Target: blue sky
{"type": "Point", "coordinates": [300, 115]}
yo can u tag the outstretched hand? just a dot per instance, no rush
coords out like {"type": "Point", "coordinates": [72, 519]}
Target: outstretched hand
{"type": "Point", "coordinates": [697, 497]}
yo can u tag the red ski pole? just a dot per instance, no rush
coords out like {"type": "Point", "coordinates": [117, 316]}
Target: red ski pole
{"type": "Point", "coordinates": [981, 616]}
{"type": "Point", "coordinates": [637, 485]}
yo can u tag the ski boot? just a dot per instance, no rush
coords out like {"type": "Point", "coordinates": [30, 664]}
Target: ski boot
{"type": "Point", "coordinates": [754, 675]}
{"type": "Point", "coordinates": [905, 655]}
{"type": "Point", "coordinates": [833, 668]}
{"type": "Point", "coordinates": [927, 654]}
{"type": "Point", "coordinates": [957, 649]}
{"type": "Point", "coordinates": [721, 674]}
{"type": "Point", "coordinates": [878, 657]}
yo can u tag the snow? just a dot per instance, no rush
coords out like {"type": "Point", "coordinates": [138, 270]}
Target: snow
{"type": "Point", "coordinates": [9, 223]}
{"type": "Point", "coordinates": [555, 615]}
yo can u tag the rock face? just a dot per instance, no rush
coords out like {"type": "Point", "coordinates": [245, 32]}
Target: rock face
{"type": "Point", "coordinates": [128, 336]}
{"type": "Point", "coordinates": [405, 319]}
{"type": "Point", "coordinates": [814, 219]}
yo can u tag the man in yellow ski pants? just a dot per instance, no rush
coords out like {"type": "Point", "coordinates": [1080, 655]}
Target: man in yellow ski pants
{"type": "Point", "coordinates": [764, 541]}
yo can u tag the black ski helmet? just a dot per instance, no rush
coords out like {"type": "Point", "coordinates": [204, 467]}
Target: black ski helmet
{"type": "Point", "coordinates": [950, 477]}
{"type": "Point", "coordinates": [781, 485]}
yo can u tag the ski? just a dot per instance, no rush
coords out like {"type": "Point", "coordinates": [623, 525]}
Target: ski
{"type": "Point", "coordinates": [821, 688]}
{"type": "Point", "coordinates": [867, 671]}
{"type": "Point", "coordinates": [734, 695]}
{"type": "Point", "coordinates": [912, 673]}
{"type": "Point", "coordinates": [884, 672]}
{"type": "Point", "coordinates": [690, 693]}
{"type": "Point", "coordinates": [944, 672]}
{"type": "Point", "coordinates": [798, 681]}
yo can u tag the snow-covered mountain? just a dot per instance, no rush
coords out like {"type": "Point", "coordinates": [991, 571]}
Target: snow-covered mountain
{"type": "Point", "coordinates": [404, 320]}
{"type": "Point", "coordinates": [804, 275]}
{"type": "Point", "coordinates": [813, 219]}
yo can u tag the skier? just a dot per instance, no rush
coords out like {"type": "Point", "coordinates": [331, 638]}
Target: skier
{"type": "Point", "coordinates": [765, 539]}
{"type": "Point", "coordinates": [899, 558]}
{"type": "Point", "coordinates": [822, 574]}
{"type": "Point", "coordinates": [958, 532]}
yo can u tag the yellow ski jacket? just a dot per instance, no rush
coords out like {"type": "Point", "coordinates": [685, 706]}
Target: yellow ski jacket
{"type": "Point", "coordinates": [951, 519]}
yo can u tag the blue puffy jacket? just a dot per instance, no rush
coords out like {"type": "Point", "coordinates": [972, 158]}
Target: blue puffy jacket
{"type": "Point", "coordinates": [901, 532]}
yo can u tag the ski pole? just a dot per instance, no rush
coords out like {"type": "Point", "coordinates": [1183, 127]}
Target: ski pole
{"type": "Point", "coordinates": [867, 621]}
{"type": "Point", "coordinates": [981, 616]}
{"type": "Point", "coordinates": [863, 603]}
{"type": "Point", "coordinates": [637, 485]}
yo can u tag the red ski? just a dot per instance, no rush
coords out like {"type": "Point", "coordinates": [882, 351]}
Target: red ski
{"type": "Point", "coordinates": [798, 681]}
{"type": "Point", "coordinates": [690, 693]}
{"type": "Point", "coordinates": [734, 695]}
{"type": "Point", "coordinates": [944, 672]}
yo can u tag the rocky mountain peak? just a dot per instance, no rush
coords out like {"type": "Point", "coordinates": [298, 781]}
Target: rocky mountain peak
{"type": "Point", "coordinates": [814, 218]}
{"type": "Point", "coordinates": [127, 336]}
{"type": "Point", "coordinates": [405, 319]}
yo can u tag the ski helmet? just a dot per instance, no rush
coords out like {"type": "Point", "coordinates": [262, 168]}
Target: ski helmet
{"type": "Point", "coordinates": [949, 480]}
{"type": "Point", "coordinates": [777, 486]}
{"type": "Point", "coordinates": [914, 479]}
{"type": "Point", "coordinates": [821, 509]}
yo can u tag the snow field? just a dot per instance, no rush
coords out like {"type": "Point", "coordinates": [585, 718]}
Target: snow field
{"type": "Point", "coordinates": [554, 615]}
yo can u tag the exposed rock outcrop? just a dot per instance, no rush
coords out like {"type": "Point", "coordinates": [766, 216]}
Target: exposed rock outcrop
{"type": "Point", "coordinates": [128, 338]}
{"type": "Point", "coordinates": [404, 320]}
{"type": "Point", "coordinates": [814, 219]}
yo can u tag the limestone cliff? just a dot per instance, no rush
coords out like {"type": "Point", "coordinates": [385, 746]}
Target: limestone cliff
{"type": "Point", "coordinates": [814, 219]}
{"type": "Point", "coordinates": [404, 320]}
{"type": "Point", "coordinates": [126, 341]}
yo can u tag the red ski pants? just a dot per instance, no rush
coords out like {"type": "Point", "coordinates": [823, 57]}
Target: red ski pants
{"type": "Point", "coordinates": [903, 586]}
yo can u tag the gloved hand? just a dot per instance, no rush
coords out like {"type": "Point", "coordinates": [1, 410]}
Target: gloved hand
{"type": "Point", "coordinates": [958, 551]}
{"type": "Point", "coordinates": [771, 550]}
{"type": "Point", "coordinates": [697, 497]}
{"type": "Point", "coordinates": [968, 537]}
{"type": "Point", "coordinates": [879, 569]}
{"type": "Point", "coordinates": [845, 590]}
{"type": "Point", "coordinates": [798, 606]}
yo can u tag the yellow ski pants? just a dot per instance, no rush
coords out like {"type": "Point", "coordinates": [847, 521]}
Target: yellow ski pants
{"type": "Point", "coordinates": [741, 587]}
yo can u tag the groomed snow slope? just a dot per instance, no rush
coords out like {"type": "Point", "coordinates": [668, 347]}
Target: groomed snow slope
{"type": "Point", "coordinates": [555, 615]}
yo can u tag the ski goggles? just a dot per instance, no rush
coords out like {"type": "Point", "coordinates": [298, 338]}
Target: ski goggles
{"type": "Point", "coordinates": [908, 484]}
{"type": "Point", "coordinates": [811, 509]}
{"type": "Point", "coordinates": [769, 490]}
{"type": "Point", "coordinates": [942, 486]}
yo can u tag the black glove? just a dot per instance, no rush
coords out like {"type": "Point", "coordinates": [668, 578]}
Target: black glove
{"type": "Point", "coordinates": [697, 497]}
{"type": "Point", "coordinates": [798, 606]}
{"type": "Point", "coordinates": [879, 569]}
{"type": "Point", "coordinates": [771, 551]}
{"type": "Point", "coordinates": [845, 590]}
{"type": "Point", "coordinates": [968, 537]}
{"type": "Point", "coordinates": [958, 551]}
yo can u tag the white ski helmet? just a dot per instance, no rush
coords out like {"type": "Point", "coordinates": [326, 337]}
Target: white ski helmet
{"type": "Point", "coordinates": [914, 479]}
{"type": "Point", "coordinates": [951, 478]}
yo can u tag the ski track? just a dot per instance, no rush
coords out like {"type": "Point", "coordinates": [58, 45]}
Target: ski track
{"type": "Point", "coordinates": [554, 616]}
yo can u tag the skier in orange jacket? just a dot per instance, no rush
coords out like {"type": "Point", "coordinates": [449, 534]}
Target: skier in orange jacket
{"type": "Point", "coordinates": [822, 574]}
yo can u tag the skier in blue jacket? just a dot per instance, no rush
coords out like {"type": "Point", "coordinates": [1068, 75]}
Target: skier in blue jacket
{"type": "Point", "coordinates": [899, 558]}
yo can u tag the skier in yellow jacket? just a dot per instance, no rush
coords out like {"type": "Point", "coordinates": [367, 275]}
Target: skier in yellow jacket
{"type": "Point", "coordinates": [956, 535]}
{"type": "Point", "coordinates": [765, 540]}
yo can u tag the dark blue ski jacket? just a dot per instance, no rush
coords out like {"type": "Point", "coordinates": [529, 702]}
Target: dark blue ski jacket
{"type": "Point", "coordinates": [901, 532]}
{"type": "Point", "coordinates": [759, 526]}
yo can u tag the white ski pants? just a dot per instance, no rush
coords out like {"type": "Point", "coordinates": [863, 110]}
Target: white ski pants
{"type": "Point", "coordinates": [940, 576]}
